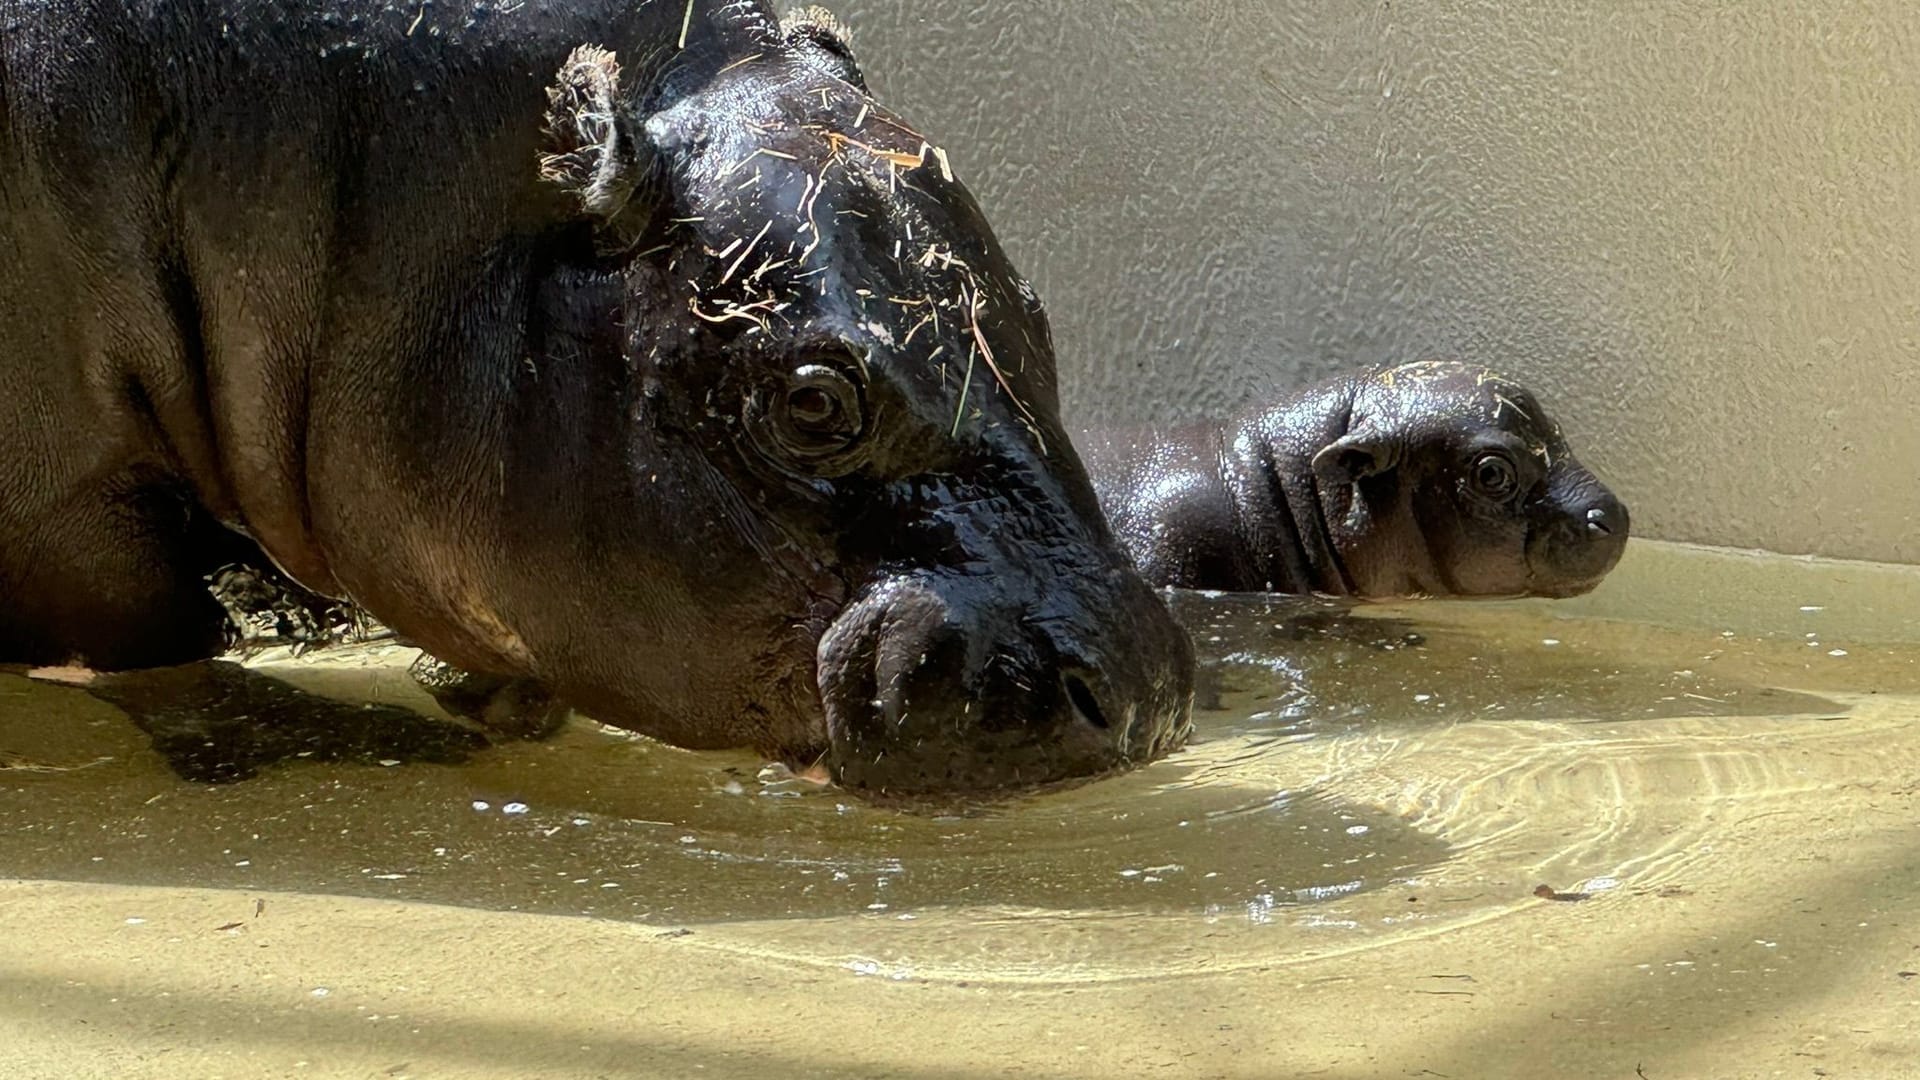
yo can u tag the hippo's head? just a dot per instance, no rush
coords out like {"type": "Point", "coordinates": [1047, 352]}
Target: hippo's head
{"type": "Point", "coordinates": [1448, 480]}
{"type": "Point", "coordinates": [878, 544]}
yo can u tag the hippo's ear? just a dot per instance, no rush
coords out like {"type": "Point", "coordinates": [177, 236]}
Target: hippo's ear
{"type": "Point", "coordinates": [1355, 456]}
{"type": "Point", "coordinates": [818, 30]}
{"type": "Point", "coordinates": [590, 150]}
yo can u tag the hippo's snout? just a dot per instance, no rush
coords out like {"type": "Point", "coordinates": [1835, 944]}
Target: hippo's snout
{"type": "Point", "coordinates": [935, 684]}
{"type": "Point", "coordinates": [1581, 540]}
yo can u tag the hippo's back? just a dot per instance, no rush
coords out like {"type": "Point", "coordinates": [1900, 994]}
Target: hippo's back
{"type": "Point", "coordinates": [228, 224]}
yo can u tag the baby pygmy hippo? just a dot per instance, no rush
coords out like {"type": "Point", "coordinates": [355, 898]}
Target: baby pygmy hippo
{"type": "Point", "coordinates": [1428, 479]}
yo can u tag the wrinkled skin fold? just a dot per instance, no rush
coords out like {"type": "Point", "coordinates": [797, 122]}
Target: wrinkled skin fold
{"type": "Point", "coordinates": [1426, 479]}
{"type": "Point", "coordinates": [630, 352]}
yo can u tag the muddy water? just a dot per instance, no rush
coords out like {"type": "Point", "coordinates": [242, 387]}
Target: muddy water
{"type": "Point", "coordinates": [1358, 779]}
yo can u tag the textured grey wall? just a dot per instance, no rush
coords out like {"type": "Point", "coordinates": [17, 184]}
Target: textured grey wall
{"type": "Point", "coordinates": [1693, 225]}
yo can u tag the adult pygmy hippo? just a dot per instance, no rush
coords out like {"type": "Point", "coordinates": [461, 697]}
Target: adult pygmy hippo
{"type": "Point", "coordinates": [627, 347]}
{"type": "Point", "coordinates": [1425, 479]}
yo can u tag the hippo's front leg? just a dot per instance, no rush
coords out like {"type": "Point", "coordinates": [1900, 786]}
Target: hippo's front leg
{"type": "Point", "coordinates": [268, 608]}
{"type": "Point", "coordinates": [502, 706]}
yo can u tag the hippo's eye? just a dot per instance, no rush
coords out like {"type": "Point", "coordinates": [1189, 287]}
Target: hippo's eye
{"type": "Point", "coordinates": [812, 407]}
{"type": "Point", "coordinates": [815, 415]}
{"type": "Point", "coordinates": [1494, 476]}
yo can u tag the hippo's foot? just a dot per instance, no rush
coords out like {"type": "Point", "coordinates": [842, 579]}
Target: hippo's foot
{"type": "Point", "coordinates": [217, 721]}
{"type": "Point", "coordinates": [502, 706]}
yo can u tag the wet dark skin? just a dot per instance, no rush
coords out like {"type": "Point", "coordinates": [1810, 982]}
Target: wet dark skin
{"type": "Point", "coordinates": [654, 367]}
{"type": "Point", "coordinates": [1427, 479]}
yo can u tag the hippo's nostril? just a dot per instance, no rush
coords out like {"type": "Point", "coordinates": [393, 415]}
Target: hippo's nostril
{"type": "Point", "coordinates": [1597, 523]}
{"type": "Point", "coordinates": [1084, 701]}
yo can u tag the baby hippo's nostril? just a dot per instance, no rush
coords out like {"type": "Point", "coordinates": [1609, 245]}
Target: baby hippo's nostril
{"type": "Point", "coordinates": [1084, 702]}
{"type": "Point", "coordinates": [1607, 519]}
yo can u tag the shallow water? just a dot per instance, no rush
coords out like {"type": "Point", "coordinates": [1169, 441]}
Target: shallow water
{"type": "Point", "coordinates": [1357, 779]}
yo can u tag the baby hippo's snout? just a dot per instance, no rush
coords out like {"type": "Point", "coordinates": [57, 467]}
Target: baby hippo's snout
{"type": "Point", "coordinates": [1580, 540]}
{"type": "Point", "coordinates": [935, 684]}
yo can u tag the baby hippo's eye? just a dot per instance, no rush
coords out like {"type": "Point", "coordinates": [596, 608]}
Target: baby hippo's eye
{"type": "Point", "coordinates": [1494, 476]}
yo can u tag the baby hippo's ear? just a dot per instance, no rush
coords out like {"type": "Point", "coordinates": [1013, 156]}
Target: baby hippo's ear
{"type": "Point", "coordinates": [1353, 457]}
{"type": "Point", "coordinates": [590, 149]}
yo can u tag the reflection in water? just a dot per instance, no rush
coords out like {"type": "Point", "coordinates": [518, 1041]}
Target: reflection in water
{"type": "Point", "coordinates": [1334, 668]}
{"type": "Point", "coordinates": [621, 826]}
{"type": "Point", "coordinates": [1359, 775]}
{"type": "Point", "coordinates": [221, 721]}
